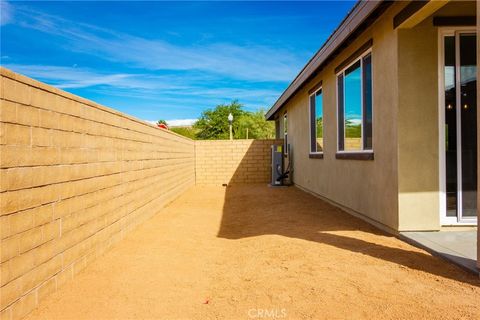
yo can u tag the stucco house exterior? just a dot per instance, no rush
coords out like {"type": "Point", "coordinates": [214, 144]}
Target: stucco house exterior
{"type": "Point", "coordinates": [382, 121]}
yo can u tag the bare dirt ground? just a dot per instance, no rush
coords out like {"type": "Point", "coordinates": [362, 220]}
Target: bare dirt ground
{"type": "Point", "coordinates": [254, 252]}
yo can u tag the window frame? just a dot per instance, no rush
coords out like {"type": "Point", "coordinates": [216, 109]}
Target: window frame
{"type": "Point", "coordinates": [285, 134]}
{"type": "Point", "coordinates": [342, 73]}
{"type": "Point", "coordinates": [277, 128]}
{"type": "Point", "coordinates": [316, 153]}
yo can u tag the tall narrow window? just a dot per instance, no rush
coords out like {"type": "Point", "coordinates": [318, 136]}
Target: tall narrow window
{"type": "Point", "coordinates": [277, 128]}
{"type": "Point", "coordinates": [341, 114]}
{"type": "Point", "coordinates": [367, 103]}
{"type": "Point", "coordinates": [316, 122]}
{"type": "Point", "coordinates": [450, 126]}
{"type": "Point", "coordinates": [285, 134]}
{"type": "Point", "coordinates": [355, 116]}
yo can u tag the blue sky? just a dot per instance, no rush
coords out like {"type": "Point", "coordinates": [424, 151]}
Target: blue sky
{"type": "Point", "coordinates": [166, 60]}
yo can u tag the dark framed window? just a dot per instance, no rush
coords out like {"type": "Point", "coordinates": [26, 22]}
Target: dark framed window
{"type": "Point", "coordinates": [277, 129]}
{"type": "Point", "coordinates": [285, 134]}
{"type": "Point", "coordinates": [355, 110]}
{"type": "Point", "coordinates": [316, 121]}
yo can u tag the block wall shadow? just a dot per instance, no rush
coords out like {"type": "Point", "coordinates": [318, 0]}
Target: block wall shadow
{"type": "Point", "coordinates": [252, 162]}
{"type": "Point", "coordinates": [252, 210]}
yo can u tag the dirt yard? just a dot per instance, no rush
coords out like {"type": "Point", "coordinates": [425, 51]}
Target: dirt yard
{"type": "Point", "coordinates": [259, 253]}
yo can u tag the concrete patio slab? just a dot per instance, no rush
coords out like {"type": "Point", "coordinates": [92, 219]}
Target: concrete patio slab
{"type": "Point", "coordinates": [459, 247]}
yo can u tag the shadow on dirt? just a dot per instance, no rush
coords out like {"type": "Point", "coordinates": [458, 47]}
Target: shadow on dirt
{"type": "Point", "coordinates": [256, 209]}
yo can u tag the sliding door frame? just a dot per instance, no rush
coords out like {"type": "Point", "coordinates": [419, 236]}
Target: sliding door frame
{"type": "Point", "coordinates": [444, 219]}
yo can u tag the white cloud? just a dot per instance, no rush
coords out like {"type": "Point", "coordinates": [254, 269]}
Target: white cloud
{"type": "Point", "coordinates": [182, 92]}
{"type": "Point", "coordinates": [248, 62]}
{"type": "Point", "coordinates": [181, 122]}
{"type": "Point", "coordinates": [6, 13]}
{"type": "Point", "coordinates": [175, 122]}
{"type": "Point", "coordinates": [74, 77]}
{"type": "Point", "coordinates": [158, 74]}
{"type": "Point", "coordinates": [354, 121]}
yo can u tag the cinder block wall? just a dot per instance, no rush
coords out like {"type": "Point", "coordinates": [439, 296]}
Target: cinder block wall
{"type": "Point", "coordinates": [75, 177]}
{"type": "Point", "coordinates": [220, 162]}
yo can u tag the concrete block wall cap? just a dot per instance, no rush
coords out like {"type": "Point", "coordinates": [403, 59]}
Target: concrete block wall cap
{"type": "Point", "coordinates": [40, 85]}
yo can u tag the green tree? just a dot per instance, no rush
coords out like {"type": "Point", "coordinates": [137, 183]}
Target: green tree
{"type": "Point", "coordinates": [188, 132]}
{"type": "Point", "coordinates": [161, 121]}
{"type": "Point", "coordinates": [258, 127]}
{"type": "Point", "coordinates": [213, 123]}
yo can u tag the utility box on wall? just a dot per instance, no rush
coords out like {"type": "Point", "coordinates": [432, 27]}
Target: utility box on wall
{"type": "Point", "coordinates": [277, 165]}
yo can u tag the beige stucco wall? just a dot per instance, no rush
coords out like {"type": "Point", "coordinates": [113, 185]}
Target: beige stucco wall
{"type": "Point", "coordinates": [418, 122]}
{"type": "Point", "coordinates": [418, 138]}
{"type": "Point", "coordinates": [75, 177]}
{"type": "Point", "coordinates": [400, 188]}
{"type": "Point", "coordinates": [366, 187]}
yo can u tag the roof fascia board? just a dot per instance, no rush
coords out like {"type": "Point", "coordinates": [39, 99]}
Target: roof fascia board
{"type": "Point", "coordinates": [349, 25]}
{"type": "Point", "coordinates": [415, 12]}
{"type": "Point", "coordinates": [407, 12]}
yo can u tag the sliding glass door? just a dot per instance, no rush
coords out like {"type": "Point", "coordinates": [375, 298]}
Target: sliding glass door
{"type": "Point", "coordinates": [460, 126]}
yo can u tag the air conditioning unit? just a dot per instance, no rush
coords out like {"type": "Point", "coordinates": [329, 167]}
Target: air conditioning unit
{"type": "Point", "coordinates": [281, 166]}
{"type": "Point", "coordinates": [277, 165]}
